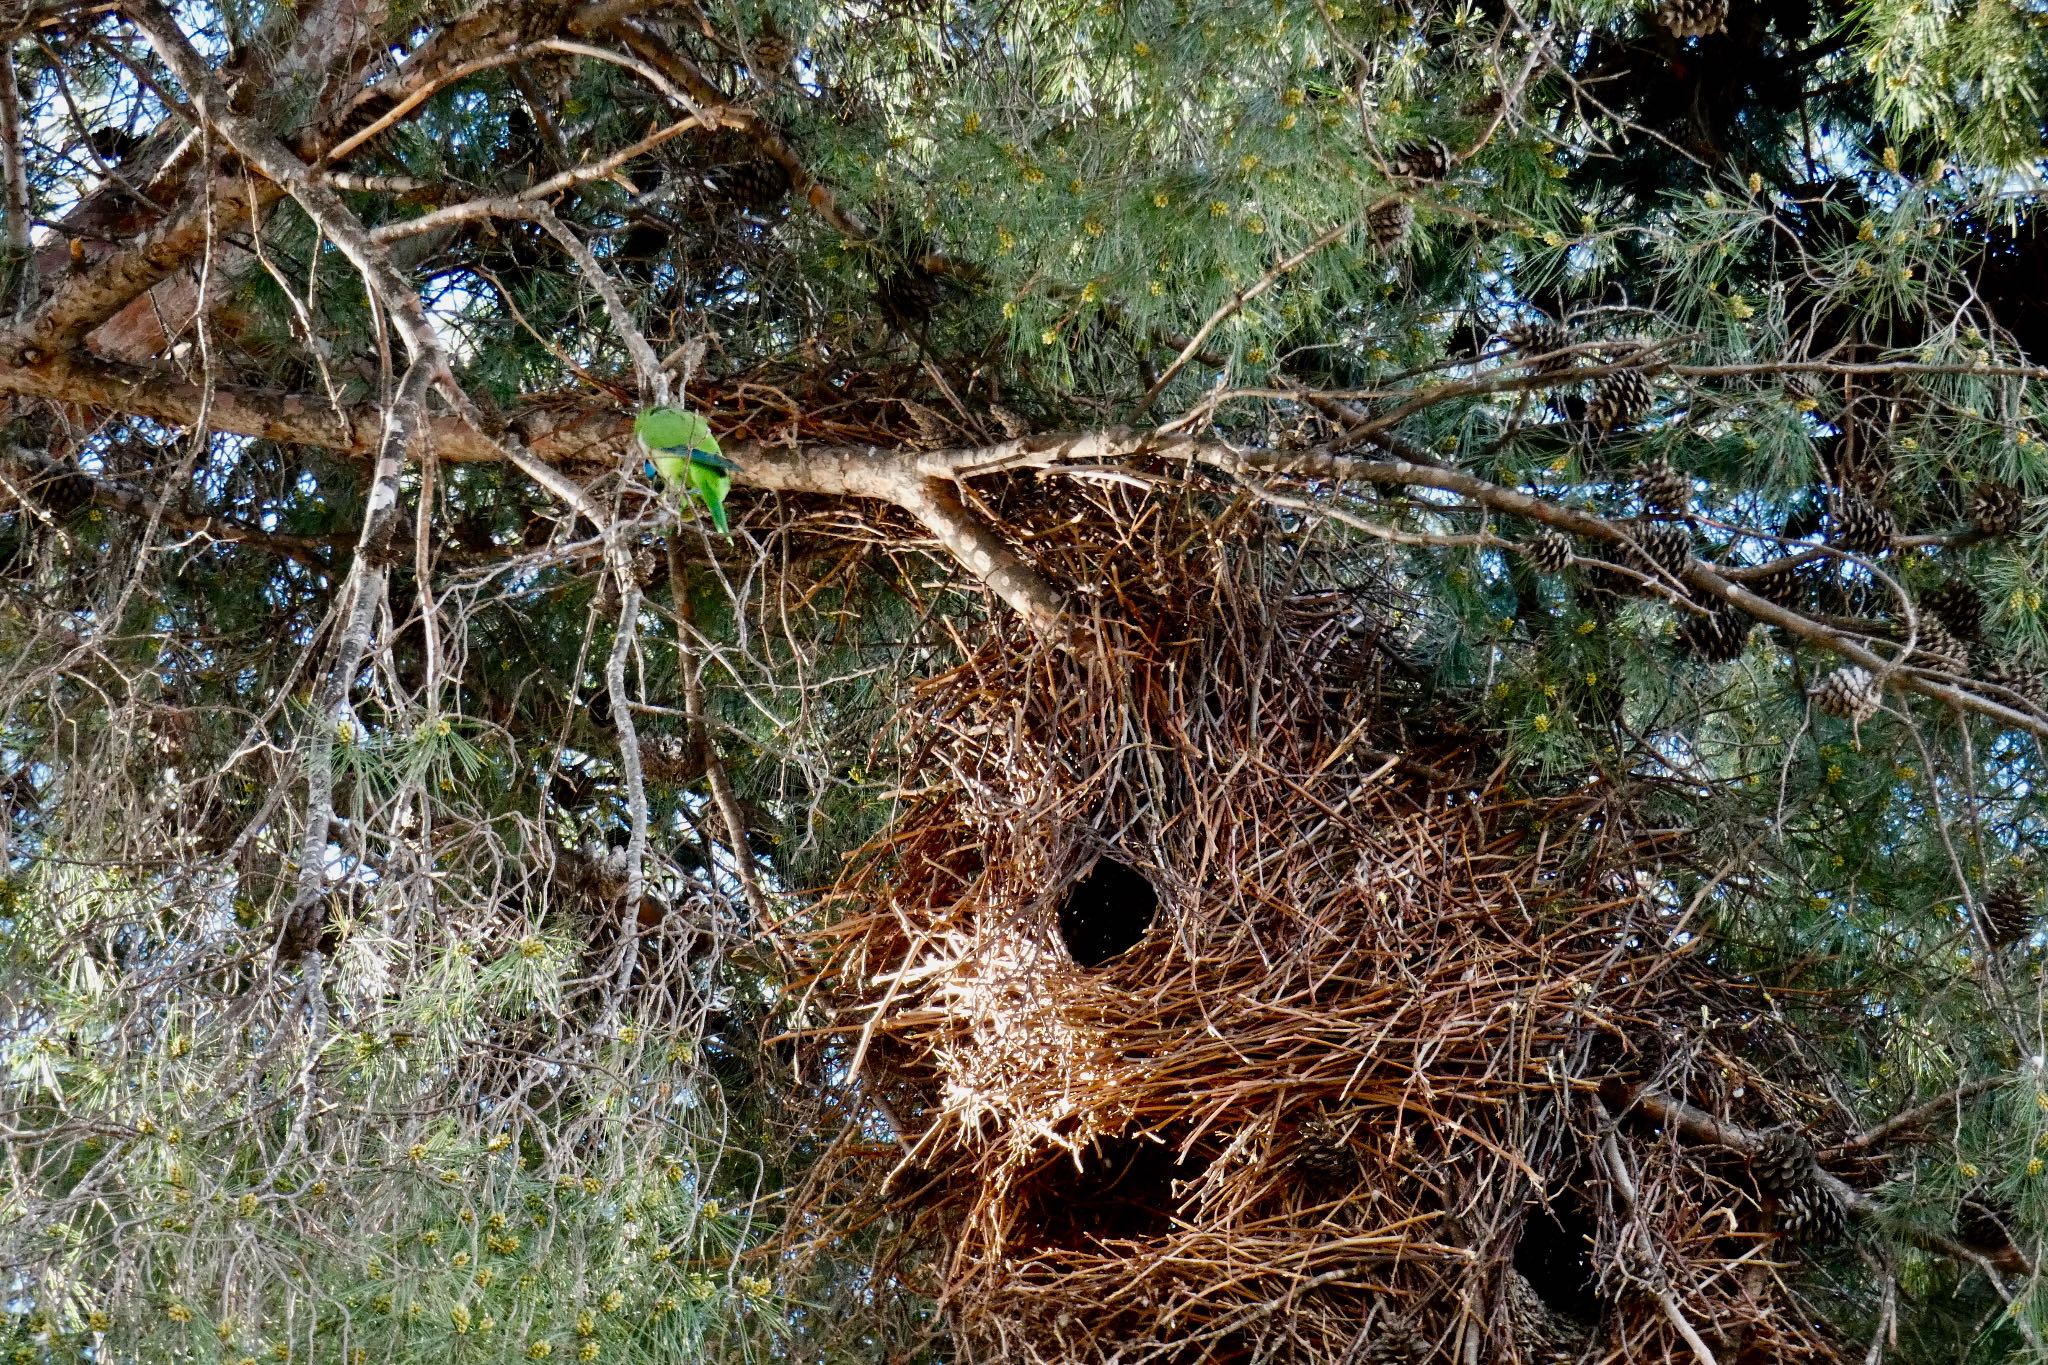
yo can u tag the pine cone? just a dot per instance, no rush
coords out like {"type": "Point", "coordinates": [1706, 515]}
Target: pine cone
{"type": "Point", "coordinates": [2019, 677]}
{"type": "Point", "coordinates": [2008, 913]}
{"type": "Point", "coordinates": [670, 760]}
{"type": "Point", "coordinates": [1428, 159]}
{"type": "Point", "coordinates": [748, 185]}
{"type": "Point", "coordinates": [1985, 1223]}
{"type": "Point", "coordinates": [1957, 605]}
{"type": "Point", "coordinates": [1395, 1342]}
{"type": "Point", "coordinates": [304, 929]}
{"type": "Point", "coordinates": [1849, 693]}
{"type": "Point", "coordinates": [1939, 649]}
{"type": "Point", "coordinates": [1717, 637]}
{"type": "Point", "coordinates": [1662, 488]}
{"type": "Point", "coordinates": [1688, 18]}
{"type": "Point", "coordinates": [1658, 550]}
{"type": "Point", "coordinates": [1321, 1151]}
{"type": "Point", "coordinates": [1388, 222]}
{"type": "Point", "coordinates": [1547, 551]}
{"type": "Point", "coordinates": [771, 52]}
{"type": "Point", "coordinates": [1859, 525]}
{"type": "Point", "coordinates": [1782, 585]}
{"type": "Point", "coordinates": [1538, 342]}
{"type": "Point", "coordinates": [1814, 1215]}
{"type": "Point", "coordinates": [1618, 401]}
{"type": "Point", "coordinates": [1997, 509]}
{"type": "Point", "coordinates": [909, 294]}
{"type": "Point", "coordinates": [1541, 1333]}
{"type": "Point", "coordinates": [1782, 1162]}
{"type": "Point", "coordinates": [1809, 1209]}
{"type": "Point", "coordinates": [62, 492]}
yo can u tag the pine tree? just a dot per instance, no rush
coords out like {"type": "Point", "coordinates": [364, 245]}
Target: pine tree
{"type": "Point", "coordinates": [420, 828]}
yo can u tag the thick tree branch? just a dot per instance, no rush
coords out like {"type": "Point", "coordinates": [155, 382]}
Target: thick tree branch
{"type": "Point", "coordinates": [90, 298]}
{"type": "Point", "coordinates": [254, 144]}
{"type": "Point", "coordinates": [543, 440]}
{"type": "Point", "coordinates": [625, 633]}
{"type": "Point", "coordinates": [983, 553]}
{"type": "Point", "coordinates": [311, 50]}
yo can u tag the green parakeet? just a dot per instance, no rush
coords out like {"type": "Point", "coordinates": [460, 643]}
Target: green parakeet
{"type": "Point", "coordinates": [682, 453]}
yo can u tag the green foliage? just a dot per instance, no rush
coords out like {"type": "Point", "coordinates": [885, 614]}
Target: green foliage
{"type": "Point", "coordinates": [1796, 228]}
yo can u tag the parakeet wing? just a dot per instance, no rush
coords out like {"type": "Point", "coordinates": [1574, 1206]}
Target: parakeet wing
{"type": "Point", "coordinates": [711, 459]}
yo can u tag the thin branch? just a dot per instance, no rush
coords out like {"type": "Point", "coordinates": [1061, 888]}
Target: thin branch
{"type": "Point", "coordinates": [653, 379]}
{"type": "Point", "coordinates": [361, 595]}
{"type": "Point", "coordinates": [691, 669]}
{"type": "Point", "coordinates": [1908, 1119]}
{"type": "Point", "coordinates": [1236, 302]}
{"type": "Point", "coordinates": [1624, 1185]}
{"type": "Point", "coordinates": [521, 205]}
{"type": "Point", "coordinates": [418, 96]}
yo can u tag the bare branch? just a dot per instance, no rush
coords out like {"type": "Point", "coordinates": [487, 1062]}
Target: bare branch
{"type": "Point", "coordinates": [522, 204]}
{"type": "Point", "coordinates": [1235, 304]}
{"type": "Point", "coordinates": [359, 600]}
{"type": "Point", "coordinates": [653, 380]}
{"type": "Point", "coordinates": [1907, 1119]}
{"type": "Point", "coordinates": [15, 168]}
{"type": "Point", "coordinates": [312, 550]}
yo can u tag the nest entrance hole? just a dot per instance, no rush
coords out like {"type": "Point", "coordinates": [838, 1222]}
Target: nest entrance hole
{"type": "Point", "coordinates": [1126, 1188]}
{"type": "Point", "coordinates": [1106, 912]}
{"type": "Point", "coordinates": [1555, 1255]}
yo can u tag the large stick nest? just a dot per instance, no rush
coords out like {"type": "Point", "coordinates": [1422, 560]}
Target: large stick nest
{"type": "Point", "coordinates": [1341, 1083]}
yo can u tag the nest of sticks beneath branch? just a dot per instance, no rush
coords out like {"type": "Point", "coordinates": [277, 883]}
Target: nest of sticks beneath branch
{"type": "Point", "coordinates": [1218, 1019]}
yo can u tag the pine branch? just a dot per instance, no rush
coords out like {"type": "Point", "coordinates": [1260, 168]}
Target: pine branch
{"type": "Point", "coordinates": [1908, 1119]}
{"type": "Point", "coordinates": [1236, 302]}
{"type": "Point", "coordinates": [1696, 1125]}
{"type": "Point", "coordinates": [315, 551]}
{"type": "Point", "coordinates": [84, 302]}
